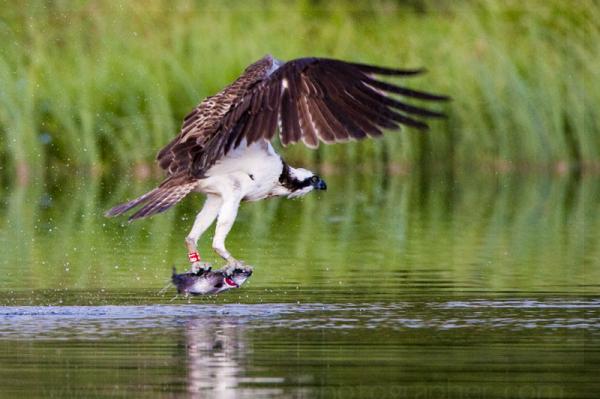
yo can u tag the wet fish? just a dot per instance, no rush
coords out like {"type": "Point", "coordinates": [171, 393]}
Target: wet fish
{"type": "Point", "coordinates": [210, 282]}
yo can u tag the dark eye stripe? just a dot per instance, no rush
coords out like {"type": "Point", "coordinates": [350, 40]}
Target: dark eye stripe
{"type": "Point", "coordinates": [290, 182]}
{"type": "Point", "coordinates": [301, 184]}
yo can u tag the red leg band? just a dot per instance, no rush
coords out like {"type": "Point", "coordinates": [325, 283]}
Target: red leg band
{"type": "Point", "coordinates": [194, 257]}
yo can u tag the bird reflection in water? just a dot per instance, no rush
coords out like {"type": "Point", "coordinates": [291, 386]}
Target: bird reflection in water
{"type": "Point", "coordinates": [217, 358]}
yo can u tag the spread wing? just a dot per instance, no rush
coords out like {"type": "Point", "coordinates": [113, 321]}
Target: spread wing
{"type": "Point", "coordinates": [308, 99]}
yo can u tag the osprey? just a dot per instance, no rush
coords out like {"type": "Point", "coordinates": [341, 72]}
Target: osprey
{"type": "Point", "coordinates": [224, 147]}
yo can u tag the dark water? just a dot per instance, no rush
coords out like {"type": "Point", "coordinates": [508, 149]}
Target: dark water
{"type": "Point", "coordinates": [408, 287]}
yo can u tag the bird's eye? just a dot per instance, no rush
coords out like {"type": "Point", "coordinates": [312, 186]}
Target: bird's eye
{"type": "Point", "coordinates": [314, 179]}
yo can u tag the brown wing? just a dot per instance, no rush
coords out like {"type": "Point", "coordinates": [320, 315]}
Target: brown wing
{"type": "Point", "coordinates": [191, 151]}
{"type": "Point", "coordinates": [309, 99]}
{"type": "Point", "coordinates": [316, 99]}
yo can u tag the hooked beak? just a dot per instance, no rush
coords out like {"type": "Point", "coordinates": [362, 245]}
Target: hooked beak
{"type": "Point", "coordinates": [320, 185]}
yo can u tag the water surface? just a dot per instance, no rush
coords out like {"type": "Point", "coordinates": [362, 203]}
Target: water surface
{"type": "Point", "coordinates": [385, 286]}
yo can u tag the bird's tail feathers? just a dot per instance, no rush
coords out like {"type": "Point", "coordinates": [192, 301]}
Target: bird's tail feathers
{"type": "Point", "coordinates": [156, 201]}
{"type": "Point", "coordinates": [122, 208]}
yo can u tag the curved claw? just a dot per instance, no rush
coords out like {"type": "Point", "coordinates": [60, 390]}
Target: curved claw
{"type": "Point", "coordinates": [233, 265]}
{"type": "Point", "coordinates": [199, 268]}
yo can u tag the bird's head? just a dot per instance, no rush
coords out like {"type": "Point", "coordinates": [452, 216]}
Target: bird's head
{"type": "Point", "coordinates": [297, 182]}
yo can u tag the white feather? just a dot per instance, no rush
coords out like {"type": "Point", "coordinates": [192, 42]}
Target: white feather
{"type": "Point", "coordinates": [250, 172]}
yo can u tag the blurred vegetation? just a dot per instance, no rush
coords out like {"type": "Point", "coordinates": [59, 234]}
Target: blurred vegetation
{"type": "Point", "coordinates": [99, 85]}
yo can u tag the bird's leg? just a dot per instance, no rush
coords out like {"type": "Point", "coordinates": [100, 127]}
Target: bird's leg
{"type": "Point", "coordinates": [227, 215]}
{"type": "Point", "coordinates": [203, 220]}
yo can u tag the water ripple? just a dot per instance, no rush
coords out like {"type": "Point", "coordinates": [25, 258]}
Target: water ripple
{"type": "Point", "coordinates": [94, 322]}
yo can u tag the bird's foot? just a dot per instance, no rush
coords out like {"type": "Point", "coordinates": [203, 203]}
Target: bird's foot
{"type": "Point", "coordinates": [233, 265]}
{"type": "Point", "coordinates": [200, 267]}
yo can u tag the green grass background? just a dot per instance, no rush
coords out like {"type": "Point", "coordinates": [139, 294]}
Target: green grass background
{"type": "Point", "coordinates": [99, 86]}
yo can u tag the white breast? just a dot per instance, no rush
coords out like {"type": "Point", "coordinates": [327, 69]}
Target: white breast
{"type": "Point", "coordinates": [252, 172]}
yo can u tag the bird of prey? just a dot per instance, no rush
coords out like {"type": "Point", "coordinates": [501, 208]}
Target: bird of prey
{"type": "Point", "coordinates": [224, 147]}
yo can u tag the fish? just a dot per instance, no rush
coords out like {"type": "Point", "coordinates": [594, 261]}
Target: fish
{"type": "Point", "coordinates": [210, 282]}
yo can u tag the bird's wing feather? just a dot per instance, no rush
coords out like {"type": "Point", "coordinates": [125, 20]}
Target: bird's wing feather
{"type": "Point", "coordinates": [309, 99]}
{"type": "Point", "coordinates": [209, 126]}
{"type": "Point", "coordinates": [332, 101]}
